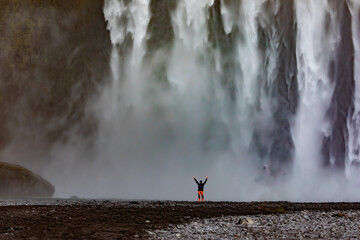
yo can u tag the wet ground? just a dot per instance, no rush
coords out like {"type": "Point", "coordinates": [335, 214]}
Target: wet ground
{"type": "Point", "coordinates": [111, 219]}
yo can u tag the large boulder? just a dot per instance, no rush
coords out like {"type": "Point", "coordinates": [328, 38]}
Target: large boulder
{"type": "Point", "coordinates": [17, 181]}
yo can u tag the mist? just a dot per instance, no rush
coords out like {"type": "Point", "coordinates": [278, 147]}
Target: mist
{"type": "Point", "coordinates": [233, 87]}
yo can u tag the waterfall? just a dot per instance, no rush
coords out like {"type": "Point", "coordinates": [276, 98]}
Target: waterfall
{"type": "Point", "coordinates": [315, 50]}
{"type": "Point", "coordinates": [354, 120]}
{"type": "Point", "coordinates": [228, 89]}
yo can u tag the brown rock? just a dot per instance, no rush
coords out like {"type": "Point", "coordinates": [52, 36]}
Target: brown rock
{"type": "Point", "coordinates": [17, 181]}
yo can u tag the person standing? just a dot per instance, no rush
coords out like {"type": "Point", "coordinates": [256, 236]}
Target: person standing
{"type": "Point", "coordinates": [201, 188]}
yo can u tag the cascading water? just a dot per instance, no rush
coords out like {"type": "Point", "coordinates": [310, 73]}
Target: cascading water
{"type": "Point", "coordinates": [235, 85]}
{"type": "Point", "coordinates": [316, 48]}
{"type": "Point", "coordinates": [354, 121]}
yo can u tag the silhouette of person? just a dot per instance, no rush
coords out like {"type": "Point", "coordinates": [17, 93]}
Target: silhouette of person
{"type": "Point", "coordinates": [201, 188]}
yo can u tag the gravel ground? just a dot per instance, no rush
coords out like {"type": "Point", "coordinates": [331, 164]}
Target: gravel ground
{"type": "Point", "coordinates": [294, 225]}
{"type": "Point", "coordinates": [117, 219]}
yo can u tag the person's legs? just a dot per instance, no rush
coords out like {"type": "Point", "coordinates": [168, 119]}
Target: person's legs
{"type": "Point", "coordinates": [201, 196]}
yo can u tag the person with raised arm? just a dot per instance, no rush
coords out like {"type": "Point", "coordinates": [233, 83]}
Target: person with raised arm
{"type": "Point", "coordinates": [201, 188]}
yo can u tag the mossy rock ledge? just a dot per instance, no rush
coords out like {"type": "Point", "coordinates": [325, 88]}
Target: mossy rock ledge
{"type": "Point", "coordinates": [17, 181]}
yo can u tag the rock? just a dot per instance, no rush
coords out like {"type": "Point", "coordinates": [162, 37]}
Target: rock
{"type": "Point", "coordinates": [247, 221]}
{"type": "Point", "coordinates": [17, 181]}
{"type": "Point", "coordinates": [339, 215]}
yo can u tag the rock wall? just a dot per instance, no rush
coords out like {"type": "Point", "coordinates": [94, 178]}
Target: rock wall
{"type": "Point", "coordinates": [53, 53]}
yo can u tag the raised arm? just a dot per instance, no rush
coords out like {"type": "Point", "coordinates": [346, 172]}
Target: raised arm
{"type": "Point", "coordinates": [206, 180]}
{"type": "Point", "coordinates": [196, 181]}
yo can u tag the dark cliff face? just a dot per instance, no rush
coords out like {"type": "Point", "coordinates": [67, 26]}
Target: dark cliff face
{"type": "Point", "coordinates": [52, 55]}
{"type": "Point", "coordinates": [342, 103]}
{"type": "Point", "coordinates": [160, 28]}
{"type": "Point", "coordinates": [284, 90]}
